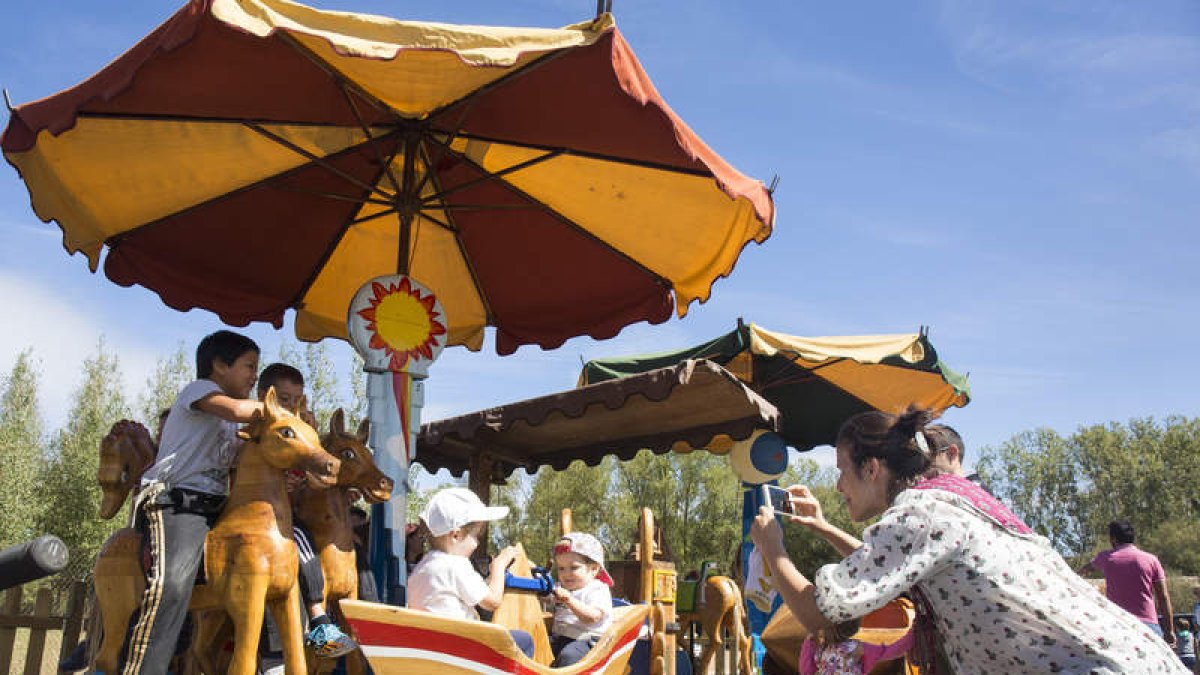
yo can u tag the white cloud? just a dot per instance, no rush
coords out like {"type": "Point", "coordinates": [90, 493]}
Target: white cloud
{"type": "Point", "coordinates": [1076, 52]}
{"type": "Point", "coordinates": [1181, 144]}
{"type": "Point", "coordinates": [824, 455]}
{"type": "Point", "coordinates": [62, 332]}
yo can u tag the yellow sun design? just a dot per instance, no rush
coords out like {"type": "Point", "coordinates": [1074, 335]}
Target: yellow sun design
{"type": "Point", "coordinates": [403, 322]}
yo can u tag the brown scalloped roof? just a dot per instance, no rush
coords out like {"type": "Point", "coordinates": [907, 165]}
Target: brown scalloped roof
{"type": "Point", "coordinates": [688, 403]}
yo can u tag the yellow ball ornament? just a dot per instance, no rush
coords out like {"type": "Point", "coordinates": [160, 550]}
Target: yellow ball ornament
{"type": "Point", "coordinates": [759, 458]}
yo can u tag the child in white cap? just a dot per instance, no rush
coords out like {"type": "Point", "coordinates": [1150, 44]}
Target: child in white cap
{"type": "Point", "coordinates": [445, 582]}
{"type": "Point", "coordinates": [584, 601]}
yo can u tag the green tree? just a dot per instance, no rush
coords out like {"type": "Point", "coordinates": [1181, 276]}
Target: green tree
{"type": "Point", "coordinates": [1036, 473]}
{"type": "Point", "coordinates": [535, 506]}
{"type": "Point", "coordinates": [171, 374]}
{"type": "Point", "coordinates": [1070, 488]}
{"type": "Point", "coordinates": [695, 498]}
{"type": "Point", "coordinates": [289, 353]}
{"type": "Point", "coordinates": [320, 383]}
{"type": "Point", "coordinates": [21, 446]}
{"type": "Point", "coordinates": [69, 489]}
{"type": "Point", "coordinates": [357, 408]}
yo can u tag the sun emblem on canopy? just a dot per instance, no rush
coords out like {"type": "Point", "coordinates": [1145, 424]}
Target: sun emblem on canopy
{"type": "Point", "coordinates": [404, 322]}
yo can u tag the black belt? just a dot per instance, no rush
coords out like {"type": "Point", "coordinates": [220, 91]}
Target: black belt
{"type": "Point", "coordinates": [194, 501]}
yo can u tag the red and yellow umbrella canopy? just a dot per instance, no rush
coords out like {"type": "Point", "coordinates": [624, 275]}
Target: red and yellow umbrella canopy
{"type": "Point", "coordinates": [251, 156]}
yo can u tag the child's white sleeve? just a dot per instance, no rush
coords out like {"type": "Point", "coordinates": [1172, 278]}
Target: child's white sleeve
{"type": "Point", "coordinates": [599, 597]}
{"type": "Point", "coordinates": [471, 587]}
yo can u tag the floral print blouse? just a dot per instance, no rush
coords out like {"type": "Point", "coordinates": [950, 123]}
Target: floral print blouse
{"type": "Point", "coordinates": [1004, 602]}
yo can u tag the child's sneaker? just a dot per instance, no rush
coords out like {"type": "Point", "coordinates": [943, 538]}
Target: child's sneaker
{"type": "Point", "coordinates": [329, 641]}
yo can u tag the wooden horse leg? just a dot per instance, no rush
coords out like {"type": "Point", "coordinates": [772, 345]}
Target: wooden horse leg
{"type": "Point", "coordinates": [744, 642]}
{"type": "Point", "coordinates": [245, 594]}
{"type": "Point", "coordinates": [713, 621]}
{"type": "Point", "coordinates": [119, 585]}
{"type": "Point", "coordinates": [286, 613]}
{"type": "Point", "coordinates": [205, 647]}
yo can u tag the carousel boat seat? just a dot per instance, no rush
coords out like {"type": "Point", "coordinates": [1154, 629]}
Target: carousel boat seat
{"type": "Point", "coordinates": [399, 640]}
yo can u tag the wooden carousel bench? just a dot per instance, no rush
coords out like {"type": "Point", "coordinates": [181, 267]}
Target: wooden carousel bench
{"type": "Point", "coordinates": [398, 640]}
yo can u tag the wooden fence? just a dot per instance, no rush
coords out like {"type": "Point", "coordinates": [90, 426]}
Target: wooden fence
{"type": "Point", "coordinates": [39, 624]}
{"type": "Point", "coordinates": [726, 660]}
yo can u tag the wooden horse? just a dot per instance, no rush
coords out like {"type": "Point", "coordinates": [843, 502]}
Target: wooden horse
{"type": "Point", "coordinates": [326, 514]}
{"type": "Point", "coordinates": [125, 454]}
{"type": "Point", "coordinates": [250, 558]}
{"type": "Point", "coordinates": [721, 611]}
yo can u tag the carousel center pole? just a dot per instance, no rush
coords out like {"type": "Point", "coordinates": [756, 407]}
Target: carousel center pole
{"type": "Point", "coordinates": [398, 327]}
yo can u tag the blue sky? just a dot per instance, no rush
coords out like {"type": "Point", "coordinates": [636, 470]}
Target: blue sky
{"type": "Point", "coordinates": [1022, 177]}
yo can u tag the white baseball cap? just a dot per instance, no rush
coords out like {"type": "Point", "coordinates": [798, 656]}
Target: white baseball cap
{"type": "Point", "coordinates": [454, 508]}
{"type": "Point", "coordinates": [587, 546]}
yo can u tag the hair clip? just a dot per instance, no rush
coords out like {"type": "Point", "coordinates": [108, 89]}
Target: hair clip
{"type": "Point", "coordinates": [922, 444]}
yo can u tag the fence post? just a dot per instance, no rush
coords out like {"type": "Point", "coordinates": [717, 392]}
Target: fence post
{"type": "Point", "coordinates": [8, 633]}
{"type": "Point", "coordinates": [722, 657]}
{"type": "Point", "coordinates": [73, 618]}
{"type": "Point", "coordinates": [42, 607]}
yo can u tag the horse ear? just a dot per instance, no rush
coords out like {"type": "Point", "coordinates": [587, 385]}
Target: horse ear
{"type": "Point", "coordinates": [302, 410]}
{"type": "Point", "coordinates": [271, 407]}
{"type": "Point", "coordinates": [364, 431]}
{"type": "Point", "coordinates": [337, 422]}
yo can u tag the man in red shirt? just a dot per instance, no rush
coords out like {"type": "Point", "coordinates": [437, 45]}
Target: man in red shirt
{"type": "Point", "coordinates": [1135, 580]}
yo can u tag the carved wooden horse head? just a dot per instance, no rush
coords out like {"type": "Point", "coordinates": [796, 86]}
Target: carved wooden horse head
{"type": "Point", "coordinates": [358, 464]}
{"type": "Point", "coordinates": [285, 441]}
{"type": "Point", "coordinates": [125, 454]}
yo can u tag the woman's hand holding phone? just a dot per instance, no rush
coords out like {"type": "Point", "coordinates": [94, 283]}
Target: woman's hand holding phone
{"type": "Point", "coordinates": [806, 508]}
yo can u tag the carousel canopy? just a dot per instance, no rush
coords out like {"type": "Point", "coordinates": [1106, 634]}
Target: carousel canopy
{"type": "Point", "coordinates": [816, 382]}
{"type": "Point", "coordinates": [681, 407]}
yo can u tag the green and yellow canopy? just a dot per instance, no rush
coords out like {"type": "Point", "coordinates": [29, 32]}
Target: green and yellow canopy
{"type": "Point", "coordinates": [816, 383]}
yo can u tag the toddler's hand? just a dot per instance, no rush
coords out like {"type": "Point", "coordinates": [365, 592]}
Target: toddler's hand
{"type": "Point", "coordinates": [561, 594]}
{"type": "Point", "coordinates": [504, 558]}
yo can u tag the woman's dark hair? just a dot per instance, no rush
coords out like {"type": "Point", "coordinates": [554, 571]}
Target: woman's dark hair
{"type": "Point", "coordinates": [223, 344]}
{"type": "Point", "coordinates": [892, 439]}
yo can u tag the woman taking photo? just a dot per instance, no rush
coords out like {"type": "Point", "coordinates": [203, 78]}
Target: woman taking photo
{"type": "Point", "coordinates": [1002, 600]}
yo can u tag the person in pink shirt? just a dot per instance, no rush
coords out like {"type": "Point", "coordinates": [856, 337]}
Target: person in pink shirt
{"type": "Point", "coordinates": [1134, 580]}
{"type": "Point", "coordinates": [834, 651]}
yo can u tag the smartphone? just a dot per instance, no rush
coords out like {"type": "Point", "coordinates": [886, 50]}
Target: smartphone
{"type": "Point", "coordinates": [778, 499]}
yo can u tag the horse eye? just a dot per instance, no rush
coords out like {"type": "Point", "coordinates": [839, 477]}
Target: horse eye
{"type": "Point", "coordinates": [348, 454]}
{"type": "Point", "coordinates": [287, 432]}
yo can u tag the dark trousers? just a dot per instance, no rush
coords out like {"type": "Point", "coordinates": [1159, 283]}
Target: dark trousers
{"type": "Point", "coordinates": [524, 641]}
{"type": "Point", "coordinates": [568, 651]}
{"type": "Point", "coordinates": [173, 533]}
{"type": "Point", "coordinates": [310, 579]}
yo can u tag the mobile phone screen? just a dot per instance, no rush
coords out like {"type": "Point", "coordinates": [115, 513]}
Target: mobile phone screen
{"type": "Point", "coordinates": [778, 498]}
